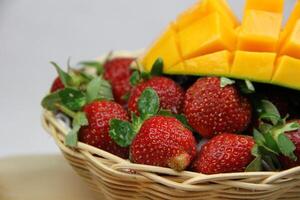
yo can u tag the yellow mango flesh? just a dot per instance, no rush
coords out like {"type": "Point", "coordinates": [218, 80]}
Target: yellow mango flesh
{"type": "Point", "coordinates": [208, 40]}
{"type": "Point", "coordinates": [166, 47]}
{"type": "Point", "coordinates": [275, 6]}
{"type": "Point", "coordinates": [210, 64]}
{"type": "Point", "coordinates": [294, 17]}
{"type": "Point", "coordinates": [257, 66]}
{"type": "Point", "coordinates": [204, 8]}
{"type": "Point", "coordinates": [287, 72]}
{"type": "Point", "coordinates": [260, 31]}
{"type": "Point", "coordinates": [195, 40]}
{"type": "Point", "coordinates": [291, 47]}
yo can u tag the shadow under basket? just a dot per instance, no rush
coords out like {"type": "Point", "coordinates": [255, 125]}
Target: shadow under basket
{"type": "Point", "coordinates": [116, 178]}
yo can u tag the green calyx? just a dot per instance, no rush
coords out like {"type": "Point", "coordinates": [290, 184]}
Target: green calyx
{"type": "Point", "coordinates": [80, 89]}
{"type": "Point", "coordinates": [123, 132]}
{"type": "Point", "coordinates": [270, 138]}
{"type": "Point", "coordinates": [156, 70]}
{"type": "Point", "coordinates": [245, 86]}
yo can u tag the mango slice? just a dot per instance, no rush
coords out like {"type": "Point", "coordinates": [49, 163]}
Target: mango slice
{"type": "Point", "coordinates": [291, 47]}
{"type": "Point", "coordinates": [202, 9]}
{"type": "Point", "coordinates": [217, 63]}
{"type": "Point", "coordinates": [287, 72]}
{"type": "Point", "coordinates": [257, 66]}
{"type": "Point", "coordinates": [275, 6]}
{"type": "Point", "coordinates": [166, 47]}
{"type": "Point", "coordinates": [260, 31]}
{"type": "Point", "coordinates": [208, 40]}
{"type": "Point", "coordinates": [290, 25]}
{"type": "Point", "coordinates": [200, 38]}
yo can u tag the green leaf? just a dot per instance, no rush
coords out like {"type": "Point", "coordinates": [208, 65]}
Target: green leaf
{"type": "Point", "coordinates": [268, 111]}
{"type": "Point", "coordinates": [226, 81]}
{"type": "Point", "coordinates": [265, 127]}
{"type": "Point", "coordinates": [80, 119]}
{"type": "Point", "coordinates": [126, 96]}
{"type": "Point", "coordinates": [271, 144]}
{"type": "Point", "coordinates": [286, 146]}
{"type": "Point", "coordinates": [121, 132]}
{"type": "Point", "coordinates": [250, 86]}
{"type": "Point", "coordinates": [255, 165]}
{"type": "Point", "coordinates": [157, 67]}
{"type": "Point", "coordinates": [258, 137]}
{"type": "Point", "coordinates": [293, 126]}
{"type": "Point", "coordinates": [148, 103]}
{"type": "Point", "coordinates": [72, 137]}
{"type": "Point", "coordinates": [73, 99]}
{"type": "Point", "coordinates": [246, 87]}
{"type": "Point", "coordinates": [51, 100]}
{"type": "Point", "coordinates": [135, 78]}
{"type": "Point", "coordinates": [270, 117]}
{"type": "Point", "coordinates": [145, 75]}
{"type": "Point", "coordinates": [137, 122]}
{"type": "Point", "coordinates": [98, 88]}
{"type": "Point", "coordinates": [65, 78]}
{"type": "Point", "coordinates": [255, 151]}
{"type": "Point", "coordinates": [95, 64]}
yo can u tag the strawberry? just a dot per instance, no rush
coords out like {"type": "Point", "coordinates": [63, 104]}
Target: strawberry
{"type": "Point", "coordinates": [211, 109]}
{"type": "Point", "coordinates": [224, 153]}
{"type": "Point", "coordinates": [118, 72]}
{"type": "Point", "coordinates": [57, 85]}
{"type": "Point", "coordinates": [96, 133]}
{"type": "Point", "coordinates": [163, 141]}
{"type": "Point", "coordinates": [294, 136]}
{"type": "Point", "coordinates": [170, 94]}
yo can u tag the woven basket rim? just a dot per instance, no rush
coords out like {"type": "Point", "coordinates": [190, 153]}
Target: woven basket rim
{"type": "Point", "coordinates": [194, 177]}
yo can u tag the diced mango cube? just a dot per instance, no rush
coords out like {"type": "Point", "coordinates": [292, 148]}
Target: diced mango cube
{"type": "Point", "coordinates": [287, 72]}
{"type": "Point", "coordinates": [217, 63]}
{"type": "Point", "coordinates": [202, 9]}
{"type": "Point", "coordinates": [291, 46]}
{"type": "Point", "coordinates": [294, 17]}
{"type": "Point", "coordinates": [223, 8]}
{"type": "Point", "coordinates": [260, 31]}
{"type": "Point", "coordinates": [166, 47]}
{"type": "Point", "coordinates": [257, 66]}
{"type": "Point", "coordinates": [265, 5]}
{"type": "Point", "coordinates": [206, 36]}
{"type": "Point", "coordinates": [197, 11]}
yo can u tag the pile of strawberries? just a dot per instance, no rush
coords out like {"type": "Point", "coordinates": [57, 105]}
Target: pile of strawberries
{"type": "Point", "coordinates": [208, 124]}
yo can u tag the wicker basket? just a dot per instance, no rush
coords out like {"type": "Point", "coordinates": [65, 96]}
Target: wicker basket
{"type": "Point", "coordinates": [116, 178]}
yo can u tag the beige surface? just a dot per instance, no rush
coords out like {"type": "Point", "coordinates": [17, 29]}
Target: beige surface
{"type": "Point", "coordinates": [40, 177]}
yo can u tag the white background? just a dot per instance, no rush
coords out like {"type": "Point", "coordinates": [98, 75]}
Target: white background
{"type": "Point", "coordinates": [34, 32]}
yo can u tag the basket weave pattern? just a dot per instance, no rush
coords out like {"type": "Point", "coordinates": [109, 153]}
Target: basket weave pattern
{"type": "Point", "coordinates": [117, 178]}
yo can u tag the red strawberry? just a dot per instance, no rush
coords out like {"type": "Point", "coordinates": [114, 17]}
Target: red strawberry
{"type": "Point", "coordinates": [171, 95]}
{"type": "Point", "coordinates": [163, 141]}
{"type": "Point", "coordinates": [99, 114]}
{"type": "Point", "coordinates": [118, 72]}
{"type": "Point", "coordinates": [225, 153]}
{"type": "Point", "coordinates": [57, 85]}
{"type": "Point", "coordinates": [211, 109]}
{"type": "Point", "coordinates": [294, 136]}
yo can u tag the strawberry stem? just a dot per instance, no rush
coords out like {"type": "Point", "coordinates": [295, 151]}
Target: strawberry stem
{"type": "Point", "coordinates": [65, 110]}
